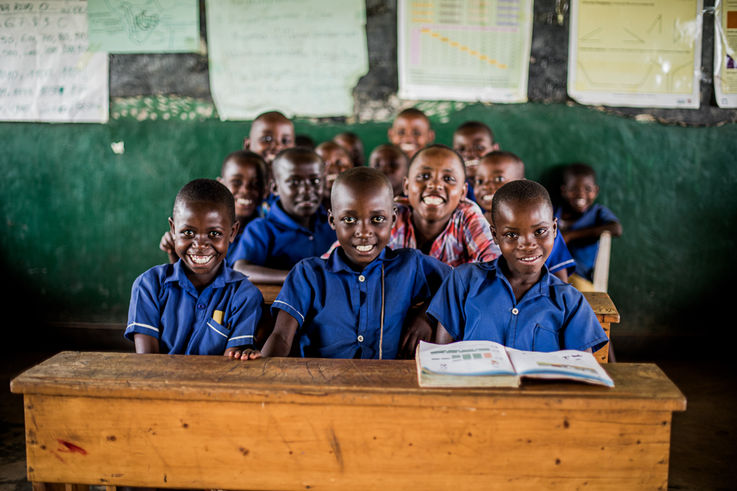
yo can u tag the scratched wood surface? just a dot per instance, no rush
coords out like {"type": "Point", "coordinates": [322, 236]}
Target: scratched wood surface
{"type": "Point", "coordinates": [637, 386]}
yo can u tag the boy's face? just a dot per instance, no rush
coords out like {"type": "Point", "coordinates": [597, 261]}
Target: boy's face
{"type": "Point", "coordinates": [393, 164]}
{"type": "Point", "coordinates": [411, 133]}
{"type": "Point", "coordinates": [362, 220]}
{"type": "Point", "coordinates": [525, 233]}
{"type": "Point", "coordinates": [336, 160]}
{"type": "Point", "coordinates": [354, 147]}
{"type": "Point", "coordinates": [202, 232]}
{"type": "Point", "coordinates": [493, 173]}
{"type": "Point", "coordinates": [580, 192]}
{"type": "Point", "coordinates": [300, 186]}
{"type": "Point", "coordinates": [244, 182]}
{"type": "Point", "coordinates": [473, 144]}
{"type": "Point", "coordinates": [435, 184]}
{"type": "Point", "coordinates": [269, 136]}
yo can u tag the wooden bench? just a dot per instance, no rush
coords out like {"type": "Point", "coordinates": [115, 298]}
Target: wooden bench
{"type": "Point", "coordinates": [118, 419]}
{"type": "Point", "coordinates": [600, 302]}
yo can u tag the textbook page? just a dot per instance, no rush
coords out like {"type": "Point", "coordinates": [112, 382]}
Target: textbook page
{"type": "Point", "coordinates": [144, 26]}
{"type": "Point", "coordinates": [300, 57]}
{"type": "Point", "coordinates": [638, 53]}
{"type": "Point", "coordinates": [576, 365]}
{"type": "Point", "coordinates": [465, 358]}
{"type": "Point", "coordinates": [464, 51]}
{"type": "Point", "coordinates": [725, 53]}
{"type": "Point", "coordinates": [47, 73]}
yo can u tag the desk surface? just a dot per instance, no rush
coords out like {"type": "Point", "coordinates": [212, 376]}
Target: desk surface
{"type": "Point", "coordinates": [297, 380]}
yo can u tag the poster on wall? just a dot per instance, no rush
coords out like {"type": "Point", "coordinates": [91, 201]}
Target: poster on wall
{"type": "Point", "coordinates": [300, 57]}
{"type": "Point", "coordinates": [725, 53]}
{"type": "Point", "coordinates": [639, 53]}
{"type": "Point", "coordinates": [47, 73]}
{"type": "Point", "coordinates": [464, 51]}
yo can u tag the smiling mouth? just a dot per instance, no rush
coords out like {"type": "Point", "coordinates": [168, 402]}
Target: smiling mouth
{"type": "Point", "coordinates": [580, 202]}
{"type": "Point", "coordinates": [529, 259]}
{"type": "Point", "coordinates": [472, 163]}
{"type": "Point", "coordinates": [407, 147]}
{"type": "Point", "coordinates": [365, 248]}
{"type": "Point", "coordinates": [487, 198]}
{"type": "Point", "coordinates": [201, 260]}
{"type": "Point", "coordinates": [433, 200]}
{"type": "Point", "coordinates": [244, 202]}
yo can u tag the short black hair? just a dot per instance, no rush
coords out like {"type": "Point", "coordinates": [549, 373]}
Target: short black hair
{"type": "Point", "coordinates": [296, 155]}
{"type": "Point", "coordinates": [441, 147]}
{"type": "Point", "coordinates": [522, 191]}
{"type": "Point", "coordinates": [244, 157]}
{"type": "Point", "coordinates": [208, 191]}
{"type": "Point", "coordinates": [578, 169]}
{"type": "Point", "coordinates": [503, 154]}
{"type": "Point", "coordinates": [413, 112]}
{"type": "Point", "coordinates": [304, 141]}
{"type": "Point", "coordinates": [363, 177]}
{"type": "Point", "coordinates": [475, 125]}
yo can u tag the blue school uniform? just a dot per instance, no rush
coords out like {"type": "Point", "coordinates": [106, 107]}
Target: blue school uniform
{"type": "Point", "coordinates": [339, 309]}
{"type": "Point", "coordinates": [166, 305]}
{"type": "Point", "coordinates": [476, 302]}
{"type": "Point", "coordinates": [279, 242]}
{"type": "Point", "coordinates": [584, 251]}
{"type": "Point", "coordinates": [560, 257]}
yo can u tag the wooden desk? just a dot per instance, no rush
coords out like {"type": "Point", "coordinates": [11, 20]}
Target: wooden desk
{"type": "Point", "coordinates": [209, 422]}
{"type": "Point", "coordinates": [600, 302]}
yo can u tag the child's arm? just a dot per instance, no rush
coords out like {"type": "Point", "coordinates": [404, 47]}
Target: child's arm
{"type": "Point", "coordinates": [417, 328]}
{"type": "Point", "coordinates": [261, 274]}
{"type": "Point", "coordinates": [280, 340]}
{"type": "Point", "coordinates": [167, 245]}
{"type": "Point", "coordinates": [145, 343]}
{"type": "Point", "coordinates": [615, 228]}
{"type": "Point", "coordinates": [442, 336]}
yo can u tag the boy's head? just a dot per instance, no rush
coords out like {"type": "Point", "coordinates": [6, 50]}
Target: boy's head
{"type": "Point", "coordinates": [495, 169]}
{"type": "Point", "coordinates": [203, 225]}
{"type": "Point", "coordinates": [473, 140]}
{"type": "Point", "coordinates": [436, 183]}
{"type": "Point", "coordinates": [271, 132]}
{"type": "Point", "coordinates": [523, 226]}
{"type": "Point", "coordinates": [351, 142]}
{"type": "Point", "coordinates": [337, 160]}
{"type": "Point", "coordinates": [579, 187]}
{"type": "Point", "coordinates": [390, 160]}
{"type": "Point", "coordinates": [411, 131]}
{"type": "Point", "coordinates": [299, 176]}
{"type": "Point", "coordinates": [304, 141]}
{"type": "Point", "coordinates": [244, 174]}
{"type": "Point", "coordinates": [362, 214]}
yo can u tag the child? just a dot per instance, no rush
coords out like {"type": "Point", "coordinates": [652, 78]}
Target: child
{"type": "Point", "coordinates": [473, 140]}
{"type": "Point", "coordinates": [439, 220]}
{"type": "Point", "coordinates": [271, 132]}
{"type": "Point", "coordinates": [355, 303]}
{"type": "Point", "coordinates": [296, 226]}
{"type": "Point", "coordinates": [198, 305]}
{"type": "Point", "coordinates": [514, 300]}
{"type": "Point", "coordinates": [411, 131]}
{"type": "Point", "coordinates": [337, 160]}
{"type": "Point", "coordinates": [391, 161]}
{"type": "Point", "coordinates": [304, 141]}
{"type": "Point", "coordinates": [581, 220]}
{"type": "Point", "coordinates": [354, 145]}
{"type": "Point", "coordinates": [498, 168]}
{"type": "Point", "coordinates": [244, 174]}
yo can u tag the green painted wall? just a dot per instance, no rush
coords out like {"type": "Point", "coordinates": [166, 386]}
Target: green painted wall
{"type": "Point", "coordinates": [82, 222]}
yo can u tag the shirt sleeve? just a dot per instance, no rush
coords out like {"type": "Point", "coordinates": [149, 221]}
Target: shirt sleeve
{"type": "Point", "coordinates": [581, 329]}
{"type": "Point", "coordinates": [144, 316]}
{"type": "Point", "coordinates": [479, 241]}
{"type": "Point", "coordinates": [430, 275]}
{"type": "Point", "coordinates": [245, 314]}
{"type": "Point", "coordinates": [560, 257]}
{"type": "Point", "coordinates": [447, 306]}
{"type": "Point", "coordinates": [296, 295]}
{"type": "Point", "coordinates": [254, 243]}
{"type": "Point", "coordinates": [605, 215]}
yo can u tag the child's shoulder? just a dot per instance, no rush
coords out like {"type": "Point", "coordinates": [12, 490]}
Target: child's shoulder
{"type": "Point", "coordinates": [156, 275]}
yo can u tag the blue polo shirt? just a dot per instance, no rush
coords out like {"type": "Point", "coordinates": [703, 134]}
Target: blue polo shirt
{"type": "Point", "coordinates": [166, 305]}
{"type": "Point", "coordinates": [339, 309]}
{"type": "Point", "coordinates": [584, 251]}
{"type": "Point", "coordinates": [279, 242]}
{"type": "Point", "coordinates": [476, 302]}
{"type": "Point", "coordinates": [560, 257]}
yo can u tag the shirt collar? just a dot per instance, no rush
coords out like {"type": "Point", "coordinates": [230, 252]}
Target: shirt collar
{"type": "Point", "coordinates": [337, 262]}
{"type": "Point", "coordinates": [541, 288]}
{"type": "Point", "coordinates": [279, 216]}
{"type": "Point", "coordinates": [225, 275]}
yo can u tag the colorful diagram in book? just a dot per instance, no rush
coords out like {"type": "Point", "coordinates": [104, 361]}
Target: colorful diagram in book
{"type": "Point", "coordinates": [464, 50]}
{"type": "Point", "coordinates": [642, 53]}
{"type": "Point", "coordinates": [469, 358]}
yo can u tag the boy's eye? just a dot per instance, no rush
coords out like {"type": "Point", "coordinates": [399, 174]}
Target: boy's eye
{"type": "Point", "coordinates": [423, 176]}
{"type": "Point", "coordinates": [215, 234]}
{"type": "Point", "coordinates": [541, 231]}
{"type": "Point", "coordinates": [348, 220]}
{"type": "Point", "coordinates": [449, 179]}
{"type": "Point", "coordinates": [315, 181]}
{"type": "Point", "coordinates": [499, 179]}
{"type": "Point", "coordinates": [286, 141]}
{"type": "Point", "coordinates": [267, 138]}
{"type": "Point", "coordinates": [378, 219]}
{"type": "Point", "coordinates": [510, 235]}
{"type": "Point", "coordinates": [187, 234]}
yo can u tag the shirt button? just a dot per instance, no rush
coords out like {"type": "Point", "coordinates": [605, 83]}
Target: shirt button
{"type": "Point", "coordinates": [515, 311]}
{"type": "Point", "coordinates": [361, 278]}
{"type": "Point", "coordinates": [360, 338]}
{"type": "Point", "coordinates": [201, 306]}
{"type": "Point", "coordinates": [311, 237]}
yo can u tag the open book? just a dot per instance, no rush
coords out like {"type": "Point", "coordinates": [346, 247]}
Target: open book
{"type": "Point", "coordinates": [490, 364]}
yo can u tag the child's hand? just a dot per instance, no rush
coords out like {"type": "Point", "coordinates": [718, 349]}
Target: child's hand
{"type": "Point", "coordinates": [167, 245]}
{"type": "Point", "coordinates": [242, 354]}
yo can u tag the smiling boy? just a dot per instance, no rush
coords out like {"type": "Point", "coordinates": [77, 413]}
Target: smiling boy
{"type": "Point", "coordinates": [197, 305]}
{"type": "Point", "coordinates": [270, 133]}
{"type": "Point", "coordinates": [473, 140]}
{"type": "Point", "coordinates": [365, 300]}
{"type": "Point", "coordinates": [411, 131]}
{"type": "Point", "coordinates": [514, 300]}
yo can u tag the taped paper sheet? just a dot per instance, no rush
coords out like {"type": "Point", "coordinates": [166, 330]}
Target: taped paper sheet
{"type": "Point", "coordinates": [725, 53]}
{"type": "Point", "coordinates": [638, 53]}
{"type": "Point", "coordinates": [47, 73]}
{"type": "Point", "coordinates": [300, 57]}
{"type": "Point", "coordinates": [464, 50]}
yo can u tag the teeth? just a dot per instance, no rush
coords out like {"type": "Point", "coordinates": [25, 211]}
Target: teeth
{"type": "Point", "coordinates": [487, 198]}
{"type": "Point", "coordinates": [433, 200]}
{"type": "Point", "coordinates": [244, 202]}
{"type": "Point", "coordinates": [472, 163]}
{"type": "Point", "coordinates": [529, 259]}
{"type": "Point", "coordinates": [364, 248]}
{"type": "Point", "coordinates": [407, 147]}
{"type": "Point", "coordinates": [200, 259]}
{"type": "Point", "coordinates": [580, 202]}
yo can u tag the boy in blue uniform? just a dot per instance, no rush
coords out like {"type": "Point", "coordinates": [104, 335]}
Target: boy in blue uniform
{"type": "Point", "coordinates": [514, 300]}
{"type": "Point", "coordinates": [473, 140]}
{"type": "Point", "coordinates": [198, 305]}
{"type": "Point", "coordinates": [365, 300]}
{"type": "Point", "coordinates": [581, 220]}
{"type": "Point", "coordinates": [498, 168]}
{"type": "Point", "coordinates": [296, 226]}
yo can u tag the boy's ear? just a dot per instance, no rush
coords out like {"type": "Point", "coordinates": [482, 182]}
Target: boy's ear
{"type": "Point", "coordinates": [234, 231]}
{"type": "Point", "coordinates": [394, 214]}
{"type": "Point", "coordinates": [555, 227]}
{"type": "Point", "coordinates": [272, 187]}
{"type": "Point", "coordinates": [171, 225]}
{"type": "Point", "coordinates": [246, 143]}
{"type": "Point", "coordinates": [465, 189]}
{"type": "Point", "coordinates": [431, 136]}
{"type": "Point", "coordinates": [331, 218]}
{"type": "Point", "coordinates": [494, 147]}
{"type": "Point", "coordinates": [493, 233]}
{"type": "Point", "coordinates": [405, 185]}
